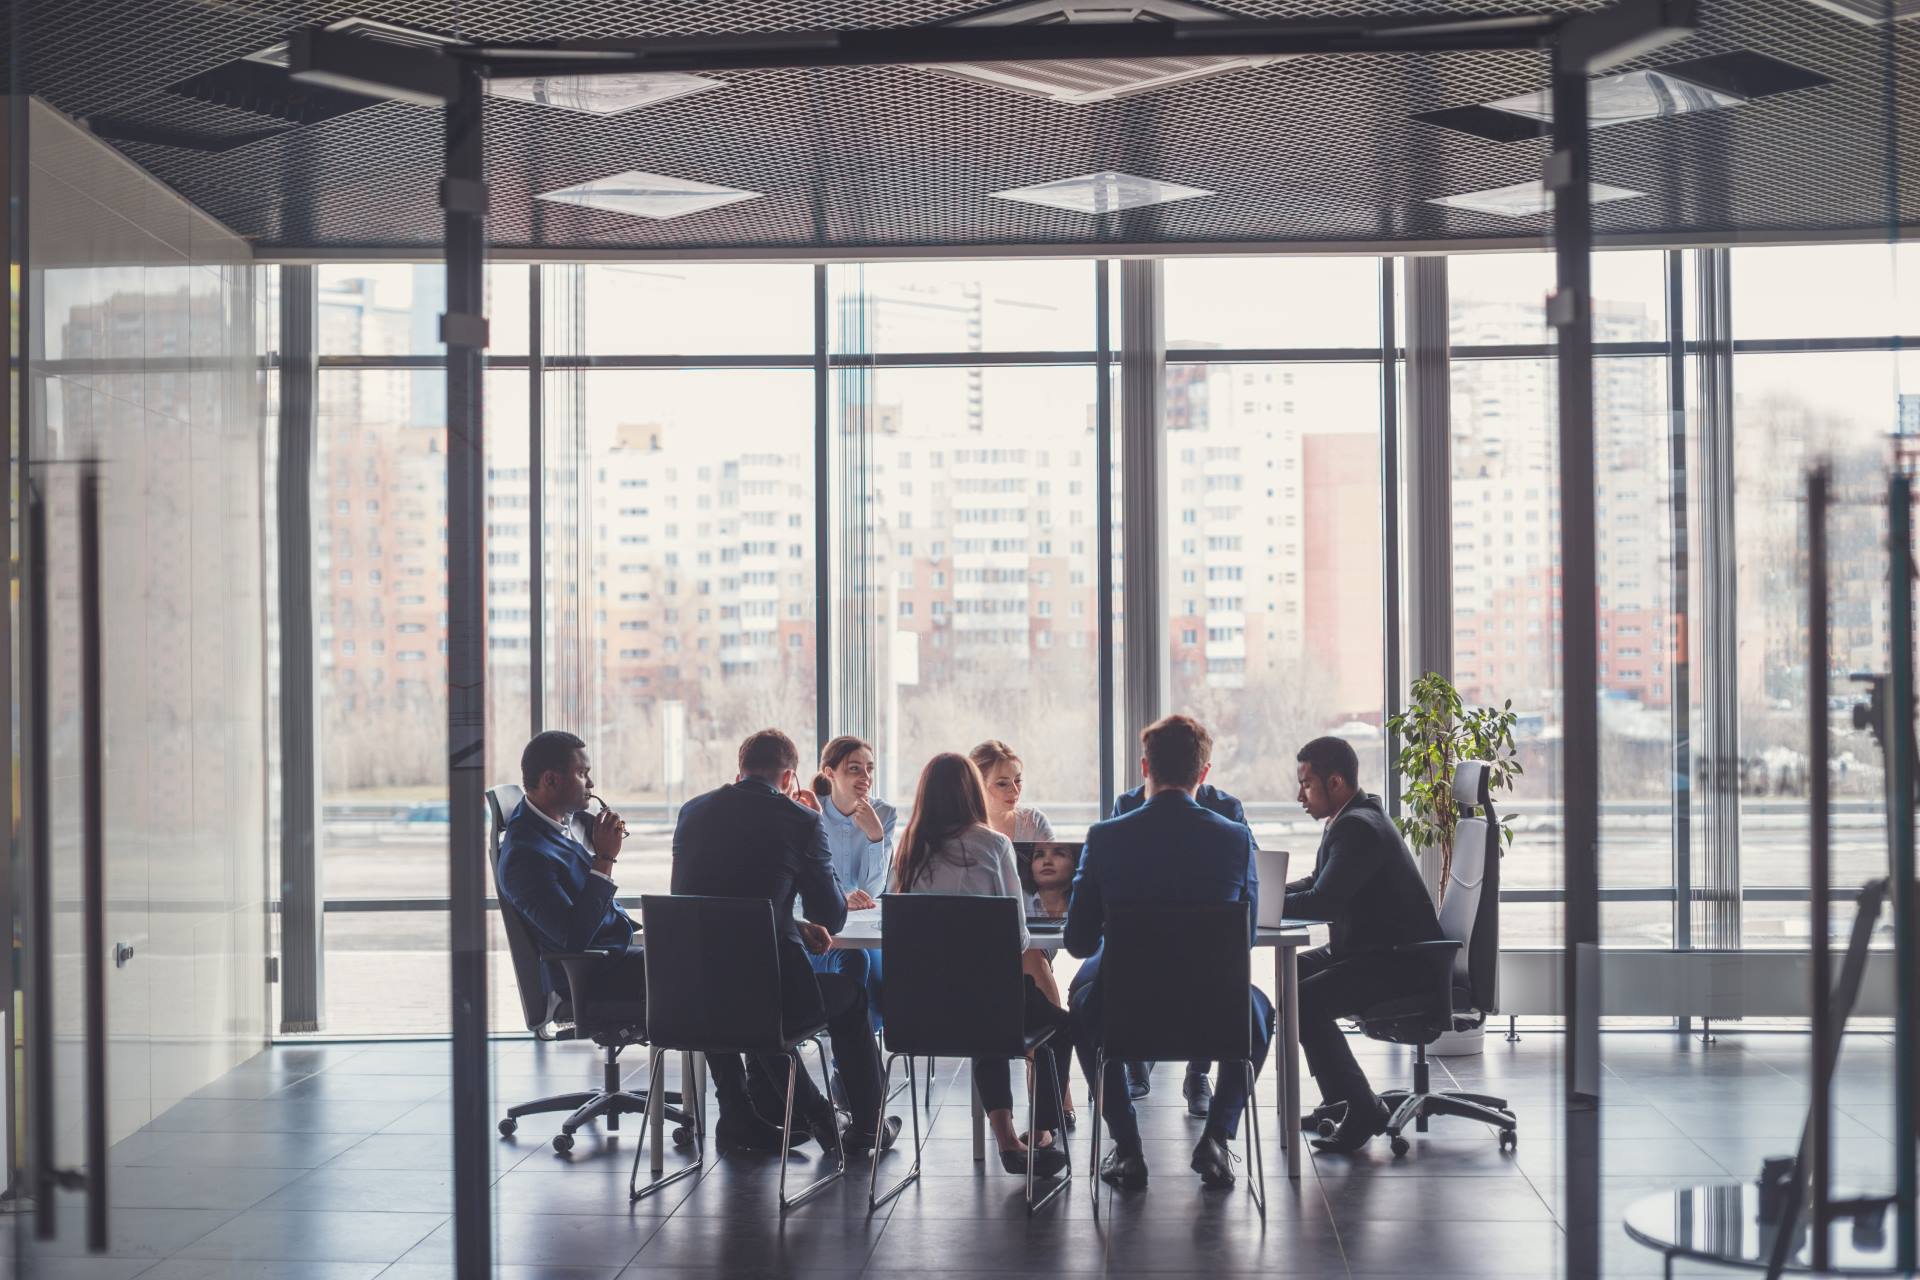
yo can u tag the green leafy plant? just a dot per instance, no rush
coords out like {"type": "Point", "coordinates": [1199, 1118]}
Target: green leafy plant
{"type": "Point", "coordinates": [1437, 731]}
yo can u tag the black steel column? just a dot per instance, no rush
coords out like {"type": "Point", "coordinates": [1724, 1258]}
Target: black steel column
{"type": "Point", "coordinates": [536, 501]}
{"type": "Point", "coordinates": [1820, 1110]}
{"type": "Point", "coordinates": [1103, 520]}
{"type": "Point", "coordinates": [93, 861]}
{"type": "Point", "coordinates": [42, 1097]}
{"type": "Point", "coordinates": [1679, 651]}
{"type": "Point", "coordinates": [822, 519]}
{"type": "Point", "coordinates": [302, 918]}
{"type": "Point", "coordinates": [1899, 743]}
{"type": "Point", "coordinates": [463, 195]}
{"type": "Point", "coordinates": [1390, 523]}
{"type": "Point", "coordinates": [1569, 178]}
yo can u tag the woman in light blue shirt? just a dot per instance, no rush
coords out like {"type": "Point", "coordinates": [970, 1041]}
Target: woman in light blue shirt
{"type": "Point", "coordinates": [860, 837]}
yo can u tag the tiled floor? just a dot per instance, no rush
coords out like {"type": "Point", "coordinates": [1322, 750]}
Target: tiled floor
{"type": "Point", "coordinates": [331, 1163]}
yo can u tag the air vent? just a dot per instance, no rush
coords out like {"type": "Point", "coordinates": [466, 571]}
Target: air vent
{"type": "Point", "coordinates": [1099, 80]}
{"type": "Point", "coordinates": [1873, 12]}
{"type": "Point", "coordinates": [275, 55]}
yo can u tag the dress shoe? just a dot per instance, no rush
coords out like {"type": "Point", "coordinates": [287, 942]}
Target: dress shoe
{"type": "Point", "coordinates": [1325, 1114]}
{"type": "Point", "coordinates": [1362, 1124]}
{"type": "Point", "coordinates": [1212, 1161]}
{"type": "Point", "coordinates": [860, 1143]}
{"type": "Point", "coordinates": [1139, 1079]}
{"type": "Point", "coordinates": [1048, 1162]}
{"type": "Point", "coordinates": [1199, 1092]}
{"type": "Point", "coordinates": [1123, 1170]}
{"type": "Point", "coordinates": [752, 1134]}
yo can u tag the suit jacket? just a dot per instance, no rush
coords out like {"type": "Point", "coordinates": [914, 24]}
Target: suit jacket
{"type": "Point", "coordinates": [1364, 884]}
{"type": "Point", "coordinates": [1208, 797]}
{"type": "Point", "coordinates": [1170, 849]}
{"type": "Point", "coordinates": [746, 840]}
{"type": "Point", "coordinates": [548, 878]}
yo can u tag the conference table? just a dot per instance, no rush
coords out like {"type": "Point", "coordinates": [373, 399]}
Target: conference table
{"type": "Point", "coordinates": [863, 931]}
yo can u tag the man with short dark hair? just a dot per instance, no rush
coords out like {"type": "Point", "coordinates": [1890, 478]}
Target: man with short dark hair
{"type": "Point", "coordinates": [751, 839]}
{"type": "Point", "coordinates": [1366, 887]}
{"type": "Point", "coordinates": [1168, 850]}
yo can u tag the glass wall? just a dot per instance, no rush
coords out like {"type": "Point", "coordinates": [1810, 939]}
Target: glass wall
{"type": "Point", "coordinates": [677, 597]}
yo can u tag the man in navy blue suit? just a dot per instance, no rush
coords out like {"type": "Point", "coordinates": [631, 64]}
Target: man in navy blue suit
{"type": "Point", "coordinates": [564, 891]}
{"type": "Point", "coordinates": [1196, 1088]}
{"type": "Point", "coordinates": [1170, 849]}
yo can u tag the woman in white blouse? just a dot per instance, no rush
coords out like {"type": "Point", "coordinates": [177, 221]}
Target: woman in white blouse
{"type": "Point", "coordinates": [949, 848]}
{"type": "Point", "coordinates": [1000, 772]}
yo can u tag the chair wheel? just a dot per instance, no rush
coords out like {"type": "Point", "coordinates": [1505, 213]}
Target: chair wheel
{"type": "Point", "coordinates": [1509, 1140]}
{"type": "Point", "coordinates": [1399, 1145]}
{"type": "Point", "coordinates": [563, 1142]}
{"type": "Point", "coordinates": [508, 1126]}
{"type": "Point", "coordinates": [683, 1137]}
{"type": "Point", "coordinates": [1328, 1128]}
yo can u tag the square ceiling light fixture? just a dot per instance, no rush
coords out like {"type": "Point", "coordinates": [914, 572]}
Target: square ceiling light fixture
{"type": "Point", "coordinates": [1103, 192]}
{"type": "Point", "coordinates": [606, 95]}
{"type": "Point", "coordinates": [275, 55]}
{"type": "Point", "coordinates": [1873, 12]}
{"type": "Point", "coordinates": [1524, 199]}
{"type": "Point", "coordinates": [649, 195]}
{"type": "Point", "coordinates": [1094, 80]}
{"type": "Point", "coordinates": [1712, 83]}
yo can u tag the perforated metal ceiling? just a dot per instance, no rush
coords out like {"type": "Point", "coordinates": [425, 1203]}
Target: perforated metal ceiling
{"type": "Point", "coordinates": [1312, 150]}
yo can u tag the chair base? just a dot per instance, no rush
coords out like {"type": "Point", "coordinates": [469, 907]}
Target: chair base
{"type": "Point", "coordinates": [609, 1102]}
{"type": "Point", "coordinates": [1409, 1106]}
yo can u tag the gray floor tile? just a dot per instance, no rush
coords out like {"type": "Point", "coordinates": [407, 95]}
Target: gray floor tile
{"type": "Point", "coordinates": [1362, 1198]}
{"type": "Point", "coordinates": [216, 1269]}
{"type": "Point", "coordinates": [193, 1187]}
{"type": "Point", "coordinates": [319, 1236]}
{"type": "Point", "coordinates": [427, 1151]}
{"type": "Point", "coordinates": [542, 1239]}
{"type": "Point", "coordinates": [439, 1271]}
{"type": "Point", "coordinates": [332, 1087]}
{"type": "Point", "coordinates": [72, 1268]}
{"type": "Point", "coordinates": [800, 1243]}
{"type": "Point", "coordinates": [132, 1233]}
{"type": "Point", "coordinates": [250, 1150]}
{"type": "Point", "coordinates": [1490, 1248]}
{"type": "Point", "coordinates": [367, 1191]}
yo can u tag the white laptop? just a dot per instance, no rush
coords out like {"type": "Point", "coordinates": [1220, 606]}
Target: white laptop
{"type": "Point", "coordinates": [1272, 866]}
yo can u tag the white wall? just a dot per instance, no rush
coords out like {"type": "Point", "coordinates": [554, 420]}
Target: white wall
{"type": "Point", "coordinates": [142, 349]}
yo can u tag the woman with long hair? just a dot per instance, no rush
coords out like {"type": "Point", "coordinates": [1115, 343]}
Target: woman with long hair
{"type": "Point", "coordinates": [859, 830]}
{"type": "Point", "coordinates": [1003, 775]}
{"type": "Point", "coordinates": [949, 848]}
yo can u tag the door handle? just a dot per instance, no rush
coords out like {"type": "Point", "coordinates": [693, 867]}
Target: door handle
{"type": "Point", "coordinates": [93, 858]}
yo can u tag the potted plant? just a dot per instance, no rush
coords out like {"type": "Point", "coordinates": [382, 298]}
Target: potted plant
{"type": "Point", "coordinates": [1437, 731]}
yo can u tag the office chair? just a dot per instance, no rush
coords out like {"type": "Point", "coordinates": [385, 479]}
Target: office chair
{"type": "Point", "coordinates": [1176, 985]}
{"type": "Point", "coordinates": [553, 1016]}
{"type": "Point", "coordinates": [955, 988]}
{"type": "Point", "coordinates": [713, 986]}
{"type": "Point", "coordinates": [1461, 992]}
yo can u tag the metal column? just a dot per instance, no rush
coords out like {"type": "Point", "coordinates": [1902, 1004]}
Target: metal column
{"type": "Point", "coordinates": [1428, 445]}
{"type": "Point", "coordinates": [1900, 753]}
{"type": "Point", "coordinates": [1716, 889]}
{"type": "Point", "coordinates": [536, 501]}
{"type": "Point", "coordinates": [1103, 520]}
{"type": "Point", "coordinates": [301, 893]}
{"type": "Point", "coordinates": [1680, 686]}
{"type": "Point", "coordinates": [1819, 670]}
{"type": "Point", "coordinates": [1390, 524]}
{"type": "Point", "coordinates": [1143, 484]}
{"type": "Point", "coordinates": [463, 194]}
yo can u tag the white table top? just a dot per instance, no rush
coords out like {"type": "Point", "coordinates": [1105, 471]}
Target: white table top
{"type": "Point", "coordinates": [863, 932]}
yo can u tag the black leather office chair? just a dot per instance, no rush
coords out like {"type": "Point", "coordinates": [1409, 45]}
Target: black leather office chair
{"type": "Point", "coordinates": [553, 1015]}
{"type": "Point", "coordinates": [1462, 991]}
{"type": "Point", "coordinates": [713, 986]}
{"type": "Point", "coordinates": [955, 989]}
{"type": "Point", "coordinates": [1176, 983]}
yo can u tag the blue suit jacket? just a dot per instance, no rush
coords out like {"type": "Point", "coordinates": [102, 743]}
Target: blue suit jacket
{"type": "Point", "coordinates": [1170, 849]}
{"type": "Point", "coordinates": [1209, 797]}
{"type": "Point", "coordinates": [549, 880]}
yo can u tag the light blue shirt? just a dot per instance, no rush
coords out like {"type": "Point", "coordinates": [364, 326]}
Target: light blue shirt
{"type": "Point", "coordinates": [859, 862]}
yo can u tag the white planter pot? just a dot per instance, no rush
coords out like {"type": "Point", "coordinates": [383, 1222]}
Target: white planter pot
{"type": "Point", "coordinates": [1459, 1044]}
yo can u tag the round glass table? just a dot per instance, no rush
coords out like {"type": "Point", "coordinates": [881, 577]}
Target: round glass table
{"type": "Point", "coordinates": [1720, 1222]}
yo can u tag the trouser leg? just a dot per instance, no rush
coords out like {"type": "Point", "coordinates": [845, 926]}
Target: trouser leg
{"type": "Point", "coordinates": [1123, 1124]}
{"type": "Point", "coordinates": [1343, 989]}
{"type": "Point", "coordinates": [850, 1028]}
{"type": "Point", "coordinates": [1230, 1098]}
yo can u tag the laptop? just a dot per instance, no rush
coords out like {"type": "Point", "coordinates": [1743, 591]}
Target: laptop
{"type": "Point", "coordinates": [1272, 866]}
{"type": "Point", "coordinates": [1023, 851]}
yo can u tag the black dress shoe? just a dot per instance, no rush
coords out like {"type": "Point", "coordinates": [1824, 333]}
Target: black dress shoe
{"type": "Point", "coordinates": [860, 1143]}
{"type": "Point", "coordinates": [1213, 1162]}
{"type": "Point", "coordinates": [1048, 1162]}
{"type": "Point", "coordinates": [1139, 1079]}
{"type": "Point", "coordinates": [752, 1134]}
{"type": "Point", "coordinates": [1325, 1114]}
{"type": "Point", "coordinates": [1361, 1126]}
{"type": "Point", "coordinates": [1199, 1092]}
{"type": "Point", "coordinates": [1128, 1172]}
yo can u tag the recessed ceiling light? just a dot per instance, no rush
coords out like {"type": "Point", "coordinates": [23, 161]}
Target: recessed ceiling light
{"type": "Point", "coordinates": [602, 95]}
{"type": "Point", "coordinates": [275, 55]}
{"type": "Point", "coordinates": [1103, 192]}
{"type": "Point", "coordinates": [1873, 12]}
{"type": "Point", "coordinates": [1524, 199]}
{"type": "Point", "coordinates": [1636, 95]}
{"type": "Point", "coordinates": [649, 195]}
{"type": "Point", "coordinates": [1099, 79]}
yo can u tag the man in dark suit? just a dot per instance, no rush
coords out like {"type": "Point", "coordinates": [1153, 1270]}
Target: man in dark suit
{"type": "Point", "coordinates": [1367, 888]}
{"type": "Point", "coordinates": [749, 839]}
{"type": "Point", "coordinates": [1196, 1088]}
{"type": "Point", "coordinates": [1168, 850]}
{"type": "Point", "coordinates": [564, 891]}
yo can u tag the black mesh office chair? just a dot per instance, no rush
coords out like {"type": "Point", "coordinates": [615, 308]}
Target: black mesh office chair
{"type": "Point", "coordinates": [1176, 986]}
{"type": "Point", "coordinates": [1461, 992]}
{"type": "Point", "coordinates": [955, 989]}
{"type": "Point", "coordinates": [554, 1015]}
{"type": "Point", "coordinates": [713, 986]}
